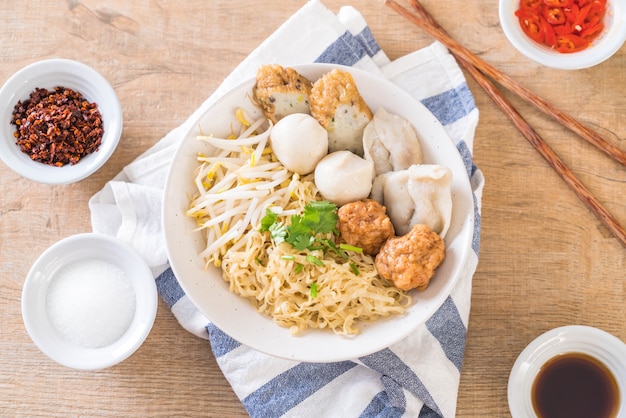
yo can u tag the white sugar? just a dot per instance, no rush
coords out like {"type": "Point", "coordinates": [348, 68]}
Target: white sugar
{"type": "Point", "coordinates": [90, 303]}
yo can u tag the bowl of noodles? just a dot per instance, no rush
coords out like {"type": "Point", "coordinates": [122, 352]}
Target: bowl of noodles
{"type": "Point", "coordinates": [273, 297]}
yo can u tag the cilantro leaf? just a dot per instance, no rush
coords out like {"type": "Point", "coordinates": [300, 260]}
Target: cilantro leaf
{"type": "Point", "coordinates": [306, 231]}
{"type": "Point", "coordinates": [268, 220]}
{"type": "Point", "coordinates": [320, 216]}
{"type": "Point", "coordinates": [300, 236]}
{"type": "Point", "coordinates": [279, 232]}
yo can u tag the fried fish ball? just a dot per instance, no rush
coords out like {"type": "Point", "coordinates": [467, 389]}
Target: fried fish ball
{"type": "Point", "coordinates": [410, 261]}
{"type": "Point", "coordinates": [364, 224]}
{"type": "Point", "coordinates": [339, 107]}
{"type": "Point", "coordinates": [281, 91]}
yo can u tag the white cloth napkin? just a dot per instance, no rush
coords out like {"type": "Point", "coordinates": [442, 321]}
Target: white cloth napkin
{"type": "Point", "coordinates": [418, 376]}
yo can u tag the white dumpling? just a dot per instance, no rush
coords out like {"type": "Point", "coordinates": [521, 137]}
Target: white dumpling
{"type": "Point", "coordinates": [419, 195]}
{"type": "Point", "coordinates": [299, 142]}
{"type": "Point", "coordinates": [343, 177]}
{"type": "Point", "coordinates": [391, 143]}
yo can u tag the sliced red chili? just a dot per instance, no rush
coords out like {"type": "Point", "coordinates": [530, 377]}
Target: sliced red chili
{"type": "Point", "coordinates": [549, 37]}
{"type": "Point", "coordinates": [563, 29]}
{"type": "Point", "coordinates": [554, 15]}
{"type": "Point", "coordinates": [530, 4]}
{"type": "Point", "coordinates": [591, 33]}
{"type": "Point", "coordinates": [595, 14]}
{"type": "Point", "coordinates": [579, 18]}
{"type": "Point", "coordinates": [571, 13]}
{"type": "Point", "coordinates": [569, 43]}
{"type": "Point", "coordinates": [531, 25]}
{"type": "Point", "coordinates": [557, 3]}
{"type": "Point", "coordinates": [564, 25]}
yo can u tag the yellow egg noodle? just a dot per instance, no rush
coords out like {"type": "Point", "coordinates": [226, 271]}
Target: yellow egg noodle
{"type": "Point", "coordinates": [267, 274]}
{"type": "Point", "coordinates": [236, 182]}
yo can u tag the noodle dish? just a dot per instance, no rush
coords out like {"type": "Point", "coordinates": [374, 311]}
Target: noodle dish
{"type": "Point", "coordinates": [317, 213]}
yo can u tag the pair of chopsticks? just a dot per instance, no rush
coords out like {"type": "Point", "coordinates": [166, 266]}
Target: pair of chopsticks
{"type": "Point", "coordinates": [480, 70]}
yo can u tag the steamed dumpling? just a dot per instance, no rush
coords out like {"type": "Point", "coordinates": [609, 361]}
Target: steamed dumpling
{"type": "Point", "coordinates": [390, 142]}
{"type": "Point", "coordinates": [299, 142]}
{"type": "Point", "coordinates": [418, 195]}
{"type": "Point", "coordinates": [342, 177]}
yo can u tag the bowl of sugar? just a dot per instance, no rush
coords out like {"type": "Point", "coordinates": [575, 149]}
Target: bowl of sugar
{"type": "Point", "coordinates": [89, 301]}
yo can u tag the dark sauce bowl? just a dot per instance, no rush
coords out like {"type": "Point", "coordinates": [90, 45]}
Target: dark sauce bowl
{"type": "Point", "coordinates": [550, 374]}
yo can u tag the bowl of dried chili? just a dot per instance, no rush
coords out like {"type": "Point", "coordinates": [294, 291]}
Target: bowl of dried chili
{"type": "Point", "coordinates": [61, 120]}
{"type": "Point", "coordinates": [565, 34]}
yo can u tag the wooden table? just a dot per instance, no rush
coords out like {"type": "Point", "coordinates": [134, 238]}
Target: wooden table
{"type": "Point", "coordinates": [546, 261]}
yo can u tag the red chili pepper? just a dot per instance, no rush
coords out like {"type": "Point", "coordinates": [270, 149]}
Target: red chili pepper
{"type": "Point", "coordinates": [554, 15]}
{"type": "Point", "coordinates": [569, 43]}
{"type": "Point", "coordinates": [592, 33]}
{"type": "Point", "coordinates": [530, 4]}
{"type": "Point", "coordinates": [549, 34]}
{"type": "Point", "coordinates": [563, 29]}
{"type": "Point", "coordinates": [557, 3]}
{"type": "Point", "coordinates": [531, 25]}
{"type": "Point", "coordinates": [564, 25]}
{"type": "Point", "coordinates": [579, 18]}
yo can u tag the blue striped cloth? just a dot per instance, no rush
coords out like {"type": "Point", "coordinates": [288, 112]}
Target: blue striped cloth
{"type": "Point", "coordinates": [418, 376]}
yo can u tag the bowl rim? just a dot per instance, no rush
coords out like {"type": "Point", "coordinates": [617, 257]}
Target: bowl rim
{"type": "Point", "coordinates": [71, 249]}
{"type": "Point", "coordinates": [607, 348]}
{"type": "Point", "coordinates": [50, 73]}
{"type": "Point", "coordinates": [605, 47]}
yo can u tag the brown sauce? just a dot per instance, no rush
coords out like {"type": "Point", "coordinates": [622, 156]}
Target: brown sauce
{"type": "Point", "coordinates": [575, 385]}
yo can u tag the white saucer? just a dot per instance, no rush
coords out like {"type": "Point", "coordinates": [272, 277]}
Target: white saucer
{"type": "Point", "coordinates": [568, 339]}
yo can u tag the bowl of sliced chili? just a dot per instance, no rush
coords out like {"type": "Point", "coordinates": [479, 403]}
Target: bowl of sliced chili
{"type": "Point", "coordinates": [565, 34]}
{"type": "Point", "coordinates": [60, 121]}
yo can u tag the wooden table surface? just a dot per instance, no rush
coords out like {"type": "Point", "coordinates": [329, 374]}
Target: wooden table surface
{"type": "Point", "coordinates": [545, 260]}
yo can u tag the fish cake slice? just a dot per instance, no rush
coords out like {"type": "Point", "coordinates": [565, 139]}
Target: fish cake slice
{"type": "Point", "coordinates": [281, 91]}
{"type": "Point", "coordinates": [339, 107]}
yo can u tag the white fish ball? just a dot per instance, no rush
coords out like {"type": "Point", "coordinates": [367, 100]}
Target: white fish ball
{"type": "Point", "coordinates": [299, 142]}
{"type": "Point", "coordinates": [343, 177]}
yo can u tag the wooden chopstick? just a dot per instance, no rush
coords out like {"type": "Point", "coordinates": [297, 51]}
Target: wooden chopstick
{"type": "Point", "coordinates": [459, 51]}
{"type": "Point", "coordinates": [531, 135]}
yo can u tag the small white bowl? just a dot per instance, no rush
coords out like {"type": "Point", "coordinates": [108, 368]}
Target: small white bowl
{"type": "Point", "coordinates": [43, 327]}
{"type": "Point", "coordinates": [594, 342]}
{"type": "Point", "coordinates": [50, 74]}
{"type": "Point", "coordinates": [609, 42]}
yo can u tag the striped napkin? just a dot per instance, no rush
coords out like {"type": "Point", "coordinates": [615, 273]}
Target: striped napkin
{"type": "Point", "coordinates": [418, 376]}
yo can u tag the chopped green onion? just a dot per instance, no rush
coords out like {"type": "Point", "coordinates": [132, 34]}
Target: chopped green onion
{"type": "Point", "coordinates": [314, 290]}
{"type": "Point", "coordinates": [299, 268]}
{"type": "Point", "coordinates": [314, 260]}
{"type": "Point", "coordinates": [352, 248]}
{"type": "Point", "coordinates": [259, 261]}
{"type": "Point", "coordinates": [355, 269]}
{"type": "Point", "coordinates": [287, 257]}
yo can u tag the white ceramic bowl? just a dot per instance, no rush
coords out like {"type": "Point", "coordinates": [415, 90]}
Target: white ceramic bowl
{"type": "Point", "coordinates": [235, 315]}
{"type": "Point", "coordinates": [594, 342]}
{"type": "Point", "coordinates": [43, 327]}
{"type": "Point", "coordinates": [50, 74]}
{"type": "Point", "coordinates": [609, 42]}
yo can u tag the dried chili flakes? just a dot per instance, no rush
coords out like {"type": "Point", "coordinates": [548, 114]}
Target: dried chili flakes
{"type": "Point", "coordinates": [57, 127]}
